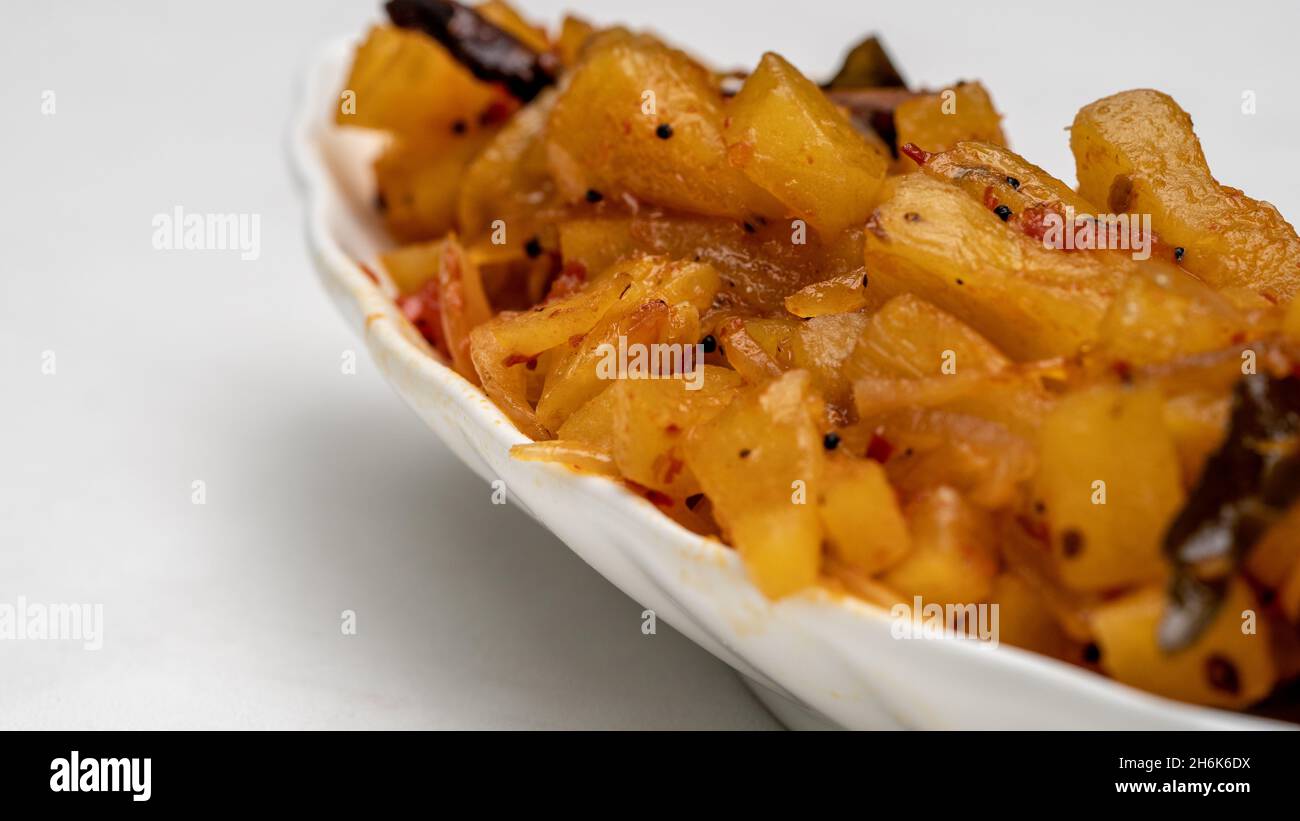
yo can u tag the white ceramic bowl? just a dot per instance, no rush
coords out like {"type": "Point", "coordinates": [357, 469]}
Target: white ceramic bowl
{"type": "Point", "coordinates": [816, 659]}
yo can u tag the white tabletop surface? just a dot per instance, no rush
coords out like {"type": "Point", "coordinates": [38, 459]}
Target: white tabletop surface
{"type": "Point", "coordinates": [323, 492]}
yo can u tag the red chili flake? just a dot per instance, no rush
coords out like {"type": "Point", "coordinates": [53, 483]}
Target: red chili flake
{"type": "Point", "coordinates": [424, 310]}
{"type": "Point", "coordinates": [519, 359]}
{"type": "Point", "coordinates": [659, 499]}
{"type": "Point", "coordinates": [1033, 220]}
{"type": "Point", "coordinates": [369, 272]}
{"type": "Point", "coordinates": [497, 111]}
{"type": "Point", "coordinates": [569, 281]}
{"type": "Point", "coordinates": [1036, 528]}
{"type": "Point", "coordinates": [990, 199]}
{"type": "Point", "coordinates": [576, 340]}
{"type": "Point", "coordinates": [879, 449]}
{"type": "Point", "coordinates": [1123, 370]}
{"type": "Point", "coordinates": [1222, 674]}
{"type": "Point", "coordinates": [917, 155]}
{"type": "Point", "coordinates": [674, 467]}
{"type": "Point", "coordinates": [1239, 337]}
{"type": "Point", "coordinates": [655, 497]}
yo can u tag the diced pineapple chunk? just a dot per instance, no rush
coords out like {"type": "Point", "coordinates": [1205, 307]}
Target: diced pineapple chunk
{"type": "Point", "coordinates": [794, 143]}
{"type": "Point", "coordinates": [864, 525]}
{"type": "Point", "coordinates": [419, 183]}
{"type": "Point", "coordinates": [1110, 480]}
{"type": "Point", "coordinates": [525, 335]}
{"type": "Point", "coordinates": [1136, 152]}
{"type": "Point", "coordinates": [579, 374]}
{"type": "Point", "coordinates": [411, 266]}
{"type": "Point", "coordinates": [929, 238]}
{"type": "Point", "coordinates": [953, 558]}
{"type": "Point", "coordinates": [604, 133]}
{"type": "Point", "coordinates": [404, 82]}
{"type": "Point", "coordinates": [652, 418]}
{"type": "Point", "coordinates": [937, 122]}
{"type": "Point", "coordinates": [910, 337]}
{"type": "Point", "coordinates": [760, 463]}
{"type": "Point", "coordinates": [1230, 665]}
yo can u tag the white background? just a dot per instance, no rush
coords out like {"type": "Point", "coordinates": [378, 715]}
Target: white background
{"type": "Point", "coordinates": [323, 492]}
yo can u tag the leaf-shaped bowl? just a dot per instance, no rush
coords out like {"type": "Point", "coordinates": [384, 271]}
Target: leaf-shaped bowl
{"type": "Point", "coordinates": [818, 659]}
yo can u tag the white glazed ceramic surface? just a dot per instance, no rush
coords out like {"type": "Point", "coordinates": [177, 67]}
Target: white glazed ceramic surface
{"type": "Point", "coordinates": [816, 659]}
